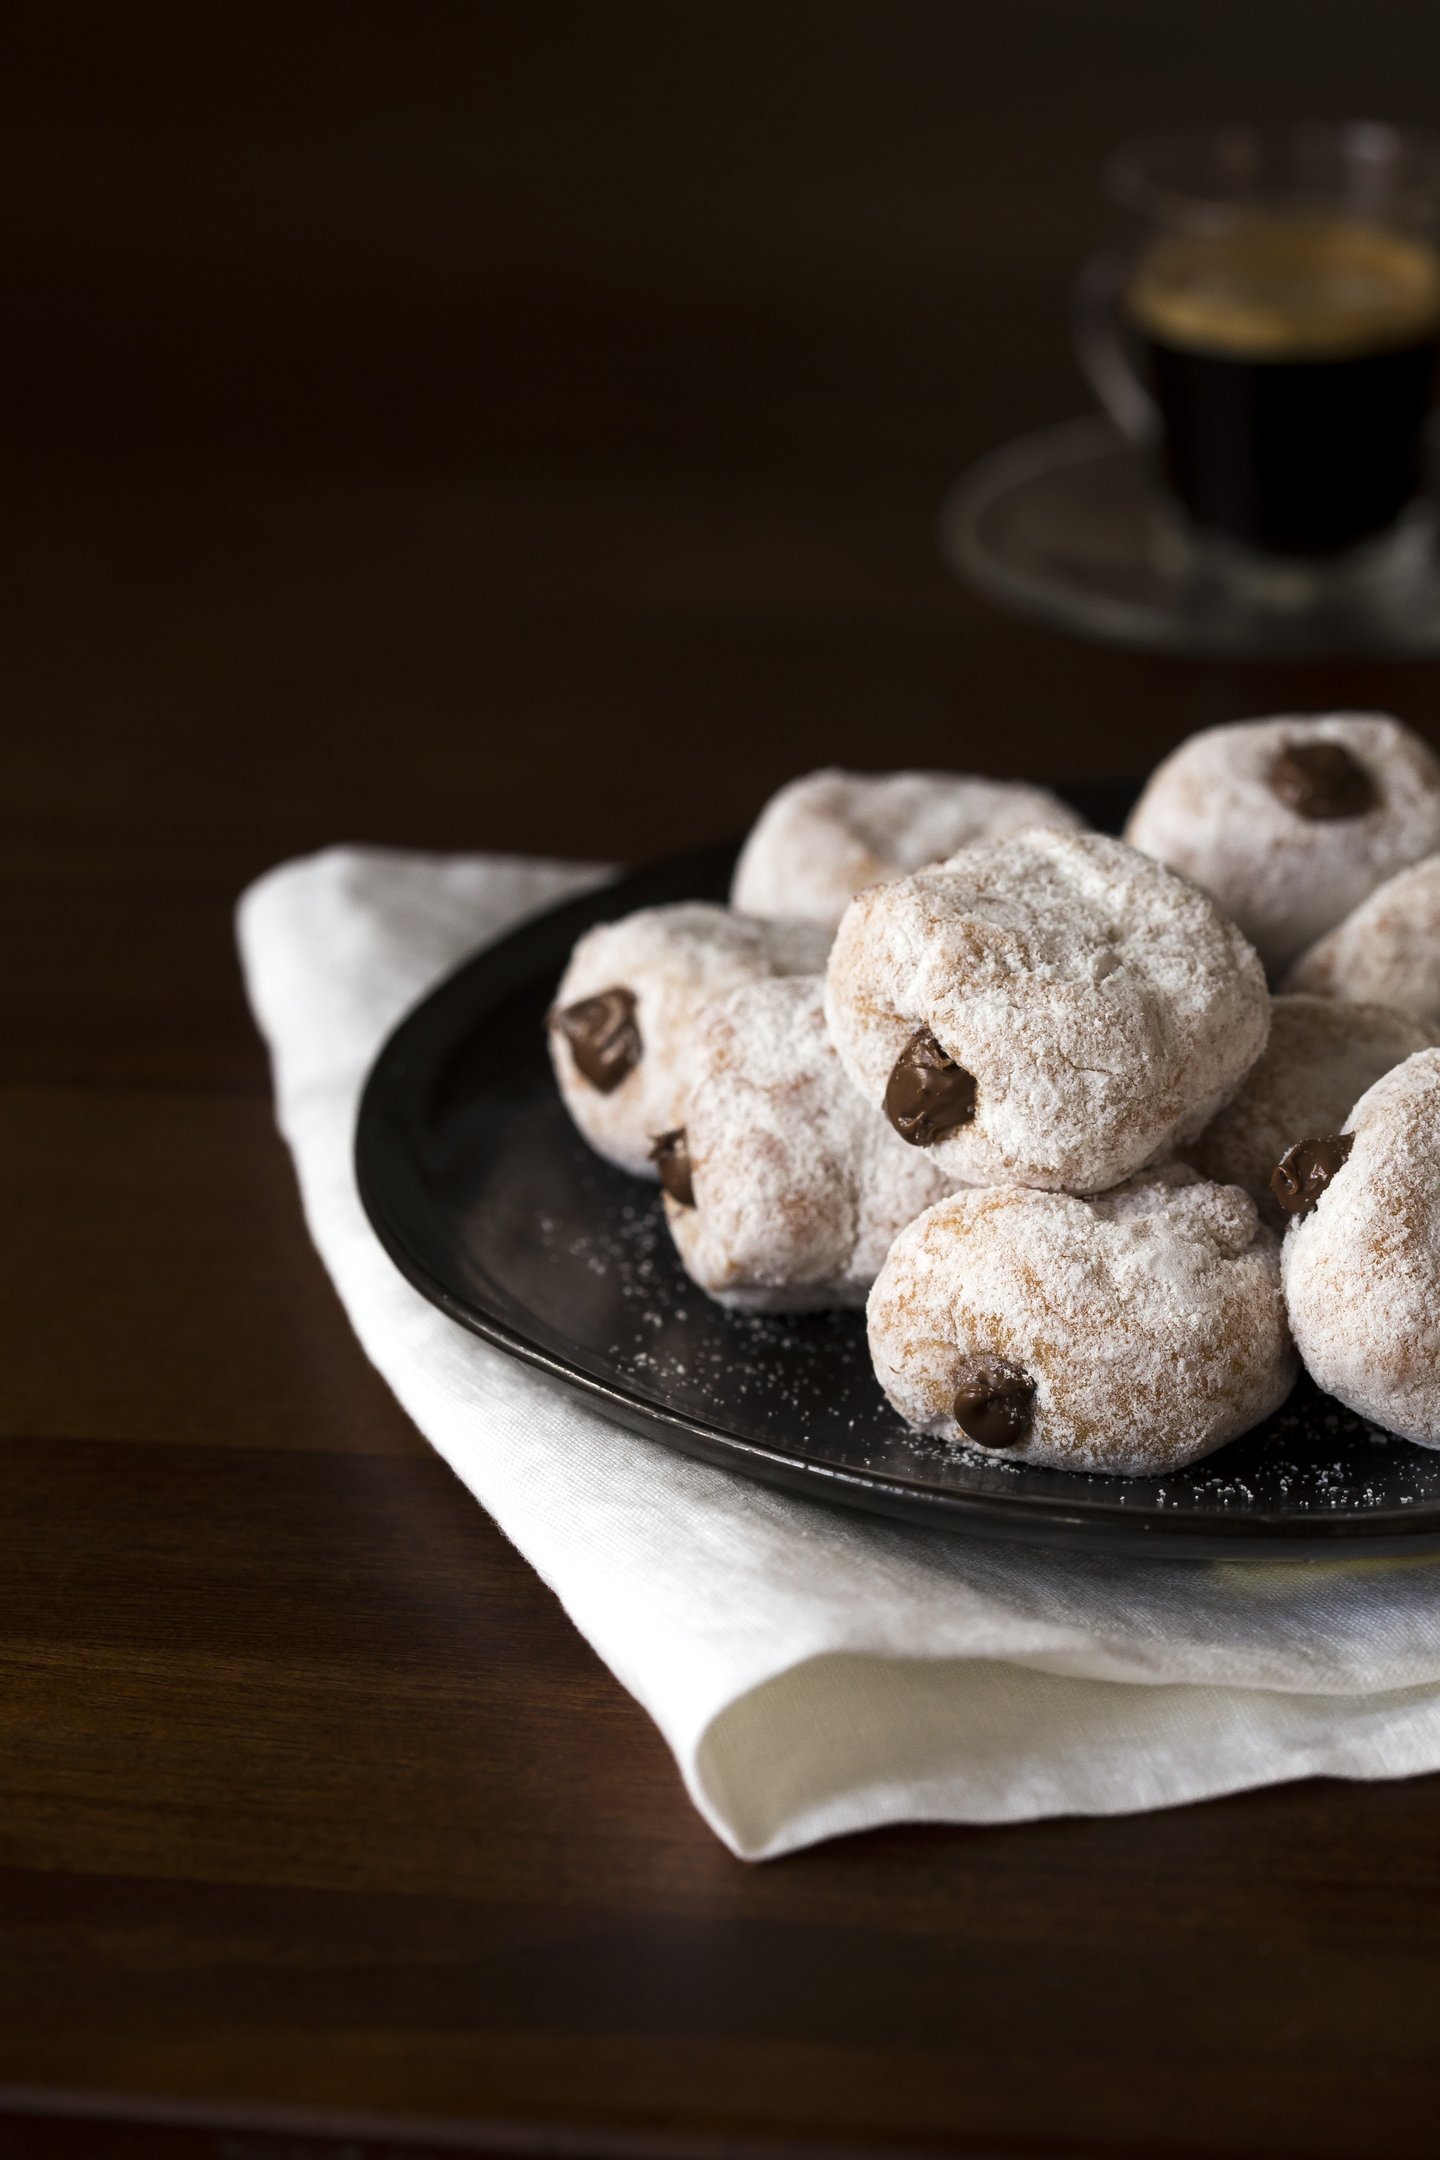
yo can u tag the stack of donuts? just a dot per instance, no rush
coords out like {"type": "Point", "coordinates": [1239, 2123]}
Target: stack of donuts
{"type": "Point", "coordinates": [1106, 1135]}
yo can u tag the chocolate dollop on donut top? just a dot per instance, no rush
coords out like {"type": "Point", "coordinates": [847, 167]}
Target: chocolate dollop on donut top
{"type": "Point", "coordinates": [603, 1035]}
{"type": "Point", "coordinates": [928, 1094]}
{"type": "Point", "coordinates": [994, 1403]}
{"type": "Point", "coordinates": [1304, 1171]}
{"type": "Point", "coordinates": [670, 1153]}
{"type": "Point", "coordinates": [1322, 780]}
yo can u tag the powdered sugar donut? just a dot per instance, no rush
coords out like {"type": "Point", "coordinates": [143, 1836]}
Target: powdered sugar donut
{"type": "Point", "coordinates": [783, 1188]}
{"type": "Point", "coordinates": [1289, 823]}
{"type": "Point", "coordinates": [1130, 1333]}
{"type": "Point", "coordinates": [1387, 949]}
{"type": "Point", "coordinates": [627, 1001]}
{"type": "Point", "coordinates": [1361, 1262]}
{"type": "Point", "coordinates": [825, 835]}
{"type": "Point", "coordinates": [1054, 1009]}
{"type": "Point", "coordinates": [1321, 1057]}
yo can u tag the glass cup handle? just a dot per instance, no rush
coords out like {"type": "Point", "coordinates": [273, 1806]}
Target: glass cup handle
{"type": "Point", "coordinates": [1099, 341]}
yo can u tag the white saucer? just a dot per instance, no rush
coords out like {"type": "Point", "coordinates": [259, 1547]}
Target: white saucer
{"type": "Point", "coordinates": [1067, 526]}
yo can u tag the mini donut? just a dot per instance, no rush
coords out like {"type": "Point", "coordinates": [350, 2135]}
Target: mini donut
{"type": "Point", "coordinates": [783, 1188]}
{"type": "Point", "coordinates": [1053, 1009]}
{"type": "Point", "coordinates": [1321, 1057]}
{"type": "Point", "coordinates": [626, 1003]}
{"type": "Point", "coordinates": [1130, 1333]}
{"type": "Point", "coordinates": [1289, 823]}
{"type": "Point", "coordinates": [825, 835]}
{"type": "Point", "coordinates": [1387, 949]}
{"type": "Point", "coordinates": [1361, 1260]}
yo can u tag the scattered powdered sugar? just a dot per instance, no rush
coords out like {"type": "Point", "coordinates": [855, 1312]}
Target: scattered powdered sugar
{"type": "Point", "coordinates": [682, 1348]}
{"type": "Point", "coordinates": [825, 835]}
{"type": "Point", "coordinates": [803, 1384]}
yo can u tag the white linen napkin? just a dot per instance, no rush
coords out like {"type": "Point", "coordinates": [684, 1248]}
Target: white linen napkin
{"type": "Point", "coordinates": [813, 1670]}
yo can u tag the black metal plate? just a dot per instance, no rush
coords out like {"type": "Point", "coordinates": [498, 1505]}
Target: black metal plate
{"type": "Point", "coordinates": [488, 1201]}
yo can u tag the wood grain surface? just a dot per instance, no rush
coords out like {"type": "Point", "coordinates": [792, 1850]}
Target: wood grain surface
{"type": "Point", "coordinates": [522, 426]}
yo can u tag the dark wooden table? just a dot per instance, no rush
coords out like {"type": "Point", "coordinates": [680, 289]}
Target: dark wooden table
{"type": "Point", "coordinates": [516, 426]}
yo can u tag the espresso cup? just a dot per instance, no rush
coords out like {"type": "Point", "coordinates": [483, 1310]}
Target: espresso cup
{"type": "Point", "coordinates": [1268, 330]}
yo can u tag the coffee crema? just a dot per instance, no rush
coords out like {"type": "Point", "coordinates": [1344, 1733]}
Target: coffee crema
{"type": "Point", "coordinates": [1279, 288]}
{"type": "Point", "coordinates": [1292, 360]}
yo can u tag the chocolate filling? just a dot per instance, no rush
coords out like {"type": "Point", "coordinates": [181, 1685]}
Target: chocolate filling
{"type": "Point", "coordinates": [1322, 780]}
{"type": "Point", "coordinates": [670, 1153]}
{"type": "Point", "coordinates": [928, 1094]}
{"type": "Point", "coordinates": [994, 1403]}
{"type": "Point", "coordinates": [1304, 1171]}
{"type": "Point", "coordinates": [603, 1036]}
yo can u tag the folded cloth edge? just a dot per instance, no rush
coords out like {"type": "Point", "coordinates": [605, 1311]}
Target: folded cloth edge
{"type": "Point", "coordinates": [793, 1756]}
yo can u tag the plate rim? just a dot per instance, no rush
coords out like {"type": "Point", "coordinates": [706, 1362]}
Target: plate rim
{"type": "Point", "coordinates": [1095, 1523]}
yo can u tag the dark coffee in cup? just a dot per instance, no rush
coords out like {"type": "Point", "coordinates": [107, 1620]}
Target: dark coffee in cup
{"type": "Point", "coordinates": [1291, 360]}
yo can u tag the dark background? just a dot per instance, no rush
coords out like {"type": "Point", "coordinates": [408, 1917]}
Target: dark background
{"type": "Point", "coordinates": [522, 426]}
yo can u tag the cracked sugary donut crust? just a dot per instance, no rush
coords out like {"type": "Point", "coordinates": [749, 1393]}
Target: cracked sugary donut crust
{"type": "Point", "coordinates": [674, 960]}
{"type": "Point", "coordinates": [1148, 1319]}
{"type": "Point", "coordinates": [799, 1185]}
{"type": "Point", "coordinates": [1386, 950]}
{"type": "Point", "coordinates": [827, 834]}
{"type": "Point", "coordinates": [1321, 1057]}
{"type": "Point", "coordinates": [1362, 1271]}
{"type": "Point", "coordinates": [1209, 811]}
{"type": "Point", "coordinates": [1103, 1005]}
